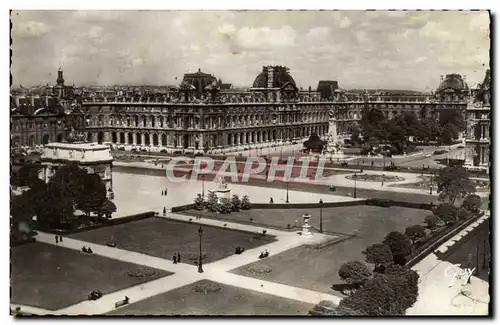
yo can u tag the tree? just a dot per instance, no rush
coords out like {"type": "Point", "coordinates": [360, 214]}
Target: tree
{"type": "Point", "coordinates": [328, 308]}
{"type": "Point", "coordinates": [446, 212]}
{"type": "Point", "coordinates": [415, 233]}
{"type": "Point", "coordinates": [245, 203]}
{"type": "Point", "coordinates": [21, 209]}
{"type": "Point", "coordinates": [431, 221]}
{"type": "Point", "coordinates": [408, 288]}
{"type": "Point", "coordinates": [375, 298]}
{"type": "Point", "coordinates": [225, 206]}
{"type": "Point", "coordinates": [400, 246]}
{"type": "Point", "coordinates": [26, 175]}
{"type": "Point", "coordinates": [199, 202]}
{"type": "Point", "coordinates": [472, 203]}
{"type": "Point", "coordinates": [107, 208]}
{"type": "Point", "coordinates": [354, 272]}
{"type": "Point", "coordinates": [236, 203]}
{"type": "Point", "coordinates": [92, 195]}
{"type": "Point", "coordinates": [314, 143]}
{"type": "Point", "coordinates": [212, 202]}
{"type": "Point", "coordinates": [454, 183]}
{"type": "Point", "coordinates": [378, 254]}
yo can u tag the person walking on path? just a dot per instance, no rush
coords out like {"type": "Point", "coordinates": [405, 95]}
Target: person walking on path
{"type": "Point", "coordinates": [175, 259]}
{"type": "Point", "coordinates": [166, 191]}
{"type": "Point", "coordinates": [57, 239]}
{"type": "Point", "coordinates": [164, 211]}
{"type": "Point", "coordinates": [178, 257]}
{"type": "Point", "coordinates": [162, 193]}
{"type": "Point", "coordinates": [60, 238]}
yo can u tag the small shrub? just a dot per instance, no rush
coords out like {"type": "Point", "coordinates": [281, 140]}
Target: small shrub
{"type": "Point", "coordinates": [431, 221]}
{"type": "Point", "coordinates": [212, 202]}
{"type": "Point", "coordinates": [236, 202]}
{"type": "Point", "coordinates": [354, 272]}
{"type": "Point", "coordinates": [259, 269]}
{"type": "Point", "coordinates": [199, 202]}
{"type": "Point", "coordinates": [245, 203]}
{"type": "Point", "coordinates": [464, 214]}
{"type": "Point", "coordinates": [225, 206]}
{"type": "Point", "coordinates": [447, 213]}
{"type": "Point", "coordinates": [472, 203]}
{"type": "Point", "coordinates": [415, 233]}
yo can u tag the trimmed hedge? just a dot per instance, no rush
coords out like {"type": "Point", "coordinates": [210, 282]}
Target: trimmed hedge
{"type": "Point", "coordinates": [105, 223]}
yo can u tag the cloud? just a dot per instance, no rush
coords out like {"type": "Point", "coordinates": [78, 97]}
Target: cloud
{"type": "Point", "coordinates": [265, 38]}
{"type": "Point", "coordinates": [318, 34]}
{"type": "Point", "coordinates": [30, 29]}
{"type": "Point", "coordinates": [345, 23]}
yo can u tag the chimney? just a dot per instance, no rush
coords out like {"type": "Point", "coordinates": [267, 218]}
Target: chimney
{"type": "Point", "coordinates": [270, 77]}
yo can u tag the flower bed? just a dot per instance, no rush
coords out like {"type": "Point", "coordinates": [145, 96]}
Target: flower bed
{"type": "Point", "coordinates": [259, 269]}
{"type": "Point", "coordinates": [141, 272]}
{"type": "Point", "coordinates": [375, 178]}
{"type": "Point", "coordinates": [207, 287]}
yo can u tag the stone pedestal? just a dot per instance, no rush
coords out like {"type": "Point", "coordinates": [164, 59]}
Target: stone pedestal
{"type": "Point", "coordinates": [223, 193]}
{"type": "Point", "coordinates": [306, 227]}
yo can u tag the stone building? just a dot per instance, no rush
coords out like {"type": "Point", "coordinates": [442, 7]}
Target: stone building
{"type": "Point", "coordinates": [272, 111]}
{"type": "Point", "coordinates": [43, 114]}
{"type": "Point", "coordinates": [93, 157]}
{"type": "Point", "coordinates": [478, 140]}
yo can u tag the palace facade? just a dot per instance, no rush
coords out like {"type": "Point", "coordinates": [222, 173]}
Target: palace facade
{"type": "Point", "coordinates": [203, 113]}
{"type": "Point", "coordinates": [478, 140]}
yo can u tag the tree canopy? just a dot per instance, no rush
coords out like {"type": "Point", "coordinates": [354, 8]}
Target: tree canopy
{"type": "Point", "coordinates": [399, 244]}
{"type": "Point", "coordinates": [454, 183]}
{"type": "Point", "coordinates": [378, 254]}
{"type": "Point", "coordinates": [472, 203]}
{"type": "Point", "coordinates": [415, 233]}
{"type": "Point", "coordinates": [354, 272]}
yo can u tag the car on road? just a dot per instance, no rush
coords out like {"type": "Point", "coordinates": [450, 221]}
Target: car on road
{"type": "Point", "coordinates": [428, 155]}
{"type": "Point", "coordinates": [440, 152]}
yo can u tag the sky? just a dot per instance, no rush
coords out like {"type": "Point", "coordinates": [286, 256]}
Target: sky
{"type": "Point", "coordinates": [359, 49]}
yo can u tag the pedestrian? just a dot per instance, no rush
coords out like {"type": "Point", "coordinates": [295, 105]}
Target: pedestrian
{"type": "Point", "coordinates": [175, 259]}
{"type": "Point", "coordinates": [162, 193]}
{"type": "Point", "coordinates": [164, 211]}
{"type": "Point", "coordinates": [57, 239]}
{"type": "Point", "coordinates": [60, 238]}
{"type": "Point", "coordinates": [166, 192]}
{"type": "Point", "coordinates": [178, 257]}
{"type": "Point", "coordinates": [271, 200]}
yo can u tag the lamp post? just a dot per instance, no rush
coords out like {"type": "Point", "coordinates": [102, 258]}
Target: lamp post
{"type": "Point", "coordinates": [430, 186]}
{"type": "Point", "coordinates": [287, 201]}
{"type": "Point", "coordinates": [203, 165]}
{"type": "Point", "coordinates": [355, 178]}
{"type": "Point", "coordinates": [200, 267]}
{"type": "Point", "coordinates": [321, 215]}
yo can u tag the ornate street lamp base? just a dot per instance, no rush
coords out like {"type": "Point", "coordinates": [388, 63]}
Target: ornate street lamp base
{"type": "Point", "coordinates": [200, 269]}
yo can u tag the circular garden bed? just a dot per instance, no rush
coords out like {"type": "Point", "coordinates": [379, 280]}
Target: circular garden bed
{"type": "Point", "coordinates": [259, 269]}
{"type": "Point", "coordinates": [206, 287]}
{"type": "Point", "coordinates": [141, 272]}
{"type": "Point", "coordinates": [375, 178]}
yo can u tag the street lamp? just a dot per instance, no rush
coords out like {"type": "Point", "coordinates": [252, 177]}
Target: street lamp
{"type": "Point", "coordinates": [355, 178]}
{"type": "Point", "coordinates": [203, 165]}
{"type": "Point", "coordinates": [430, 186]}
{"type": "Point", "coordinates": [287, 201]}
{"type": "Point", "coordinates": [321, 215]}
{"type": "Point", "coordinates": [200, 267]}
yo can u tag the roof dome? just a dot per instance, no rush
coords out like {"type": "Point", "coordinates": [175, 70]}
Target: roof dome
{"type": "Point", "coordinates": [273, 77]}
{"type": "Point", "coordinates": [453, 81]}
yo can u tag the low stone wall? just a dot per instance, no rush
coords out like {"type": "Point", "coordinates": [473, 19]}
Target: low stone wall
{"type": "Point", "coordinates": [307, 205]}
{"type": "Point", "coordinates": [448, 233]}
{"type": "Point", "coordinates": [185, 207]}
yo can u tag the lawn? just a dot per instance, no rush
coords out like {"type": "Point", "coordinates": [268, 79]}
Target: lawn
{"type": "Point", "coordinates": [163, 238]}
{"type": "Point", "coordinates": [52, 277]}
{"type": "Point", "coordinates": [366, 220]}
{"type": "Point", "coordinates": [228, 301]}
{"type": "Point", "coordinates": [317, 268]}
